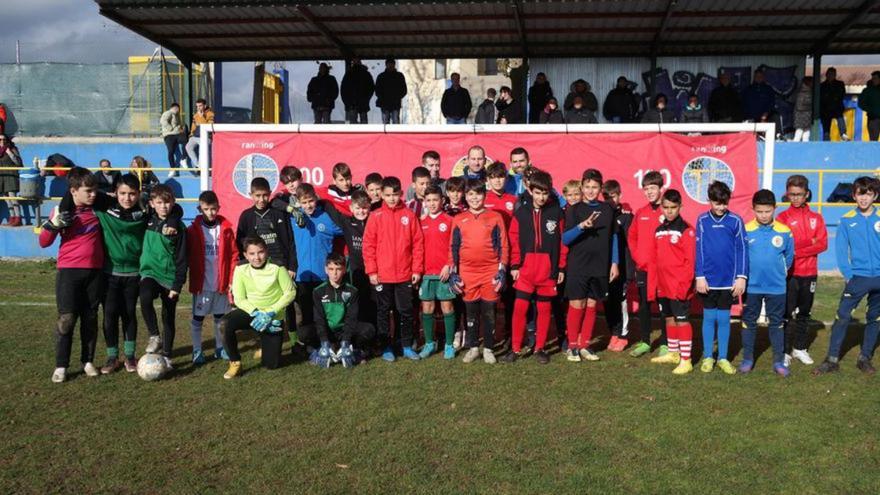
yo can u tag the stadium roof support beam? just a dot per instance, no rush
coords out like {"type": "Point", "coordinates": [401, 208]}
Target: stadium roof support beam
{"type": "Point", "coordinates": [853, 17]}
{"type": "Point", "coordinates": [319, 26]}
{"type": "Point", "coordinates": [670, 7]}
{"type": "Point", "coordinates": [520, 27]}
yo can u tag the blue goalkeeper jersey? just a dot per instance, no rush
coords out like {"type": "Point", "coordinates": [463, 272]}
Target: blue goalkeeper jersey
{"type": "Point", "coordinates": [771, 252]}
{"type": "Point", "coordinates": [858, 244]}
{"type": "Point", "coordinates": [722, 251]}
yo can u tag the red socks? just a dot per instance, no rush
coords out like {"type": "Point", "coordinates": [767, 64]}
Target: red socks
{"type": "Point", "coordinates": [672, 332]}
{"type": "Point", "coordinates": [543, 324]}
{"type": "Point", "coordinates": [518, 326]}
{"type": "Point", "coordinates": [573, 320]}
{"type": "Point", "coordinates": [685, 334]}
{"type": "Point", "coordinates": [587, 327]}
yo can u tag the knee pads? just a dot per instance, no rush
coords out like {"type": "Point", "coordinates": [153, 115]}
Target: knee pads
{"type": "Point", "coordinates": [66, 323]}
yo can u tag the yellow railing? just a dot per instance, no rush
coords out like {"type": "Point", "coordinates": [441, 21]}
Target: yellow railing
{"type": "Point", "coordinates": [819, 201]}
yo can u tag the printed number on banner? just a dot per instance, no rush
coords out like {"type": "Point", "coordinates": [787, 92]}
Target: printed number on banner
{"type": "Point", "coordinates": [667, 177]}
{"type": "Point", "coordinates": [313, 176]}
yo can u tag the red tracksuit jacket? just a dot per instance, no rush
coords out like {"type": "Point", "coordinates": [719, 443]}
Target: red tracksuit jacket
{"type": "Point", "coordinates": [227, 255]}
{"type": "Point", "coordinates": [673, 264]}
{"type": "Point", "coordinates": [641, 235]}
{"type": "Point", "coordinates": [810, 239]}
{"type": "Point", "coordinates": [394, 247]}
{"type": "Point", "coordinates": [502, 203]}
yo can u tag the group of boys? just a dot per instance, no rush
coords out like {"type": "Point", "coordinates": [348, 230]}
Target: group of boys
{"type": "Point", "coordinates": [353, 258]}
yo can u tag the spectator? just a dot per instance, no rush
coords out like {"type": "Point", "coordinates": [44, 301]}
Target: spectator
{"type": "Point", "coordinates": [694, 113]}
{"type": "Point", "coordinates": [204, 115]}
{"type": "Point", "coordinates": [509, 110]}
{"type": "Point", "coordinates": [107, 178]}
{"type": "Point", "coordinates": [621, 105]}
{"type": "Point", "coordinates": [724, 102]}
{"type": "Point", "coordinates": [175, 138]}
{"type": "Point", "coordinates": [486, 110]}
{"type": "Point", "coordinates": [322, 93]}
{"type": "Point", "coordinates": [758, 99]}
{"type": "Point", "coordinates": [357, 91]}
{"type": "Point", "coordinates": [803, 110]}
{"type": "Point", "coordinates": [141, 167]}
{"type": "Point", "coordinates": [579, 114]}
{"type": "Point", "coordinates": [581, 88]}
{"type": "Point", "coordinates": [390, 89]}
{"type": "Point", "coordinates": [831, 95]}
{"type": "Point", "coordinates": [9, 185]}
{"type": "Point", "coordinates": [551, 113]}
{"type": "Point", "coordinates": [431, 161]}
{"type": "Point", "coordinates": [539, 94]}
{"type": "Point", "coordinates": [659, 113]}
{"type": "Point", "coordinates": [456, 102]}
{"type": "Point", "coordinates": [869, 101]}
{"type": "Point", "coordinates": [3, 117]}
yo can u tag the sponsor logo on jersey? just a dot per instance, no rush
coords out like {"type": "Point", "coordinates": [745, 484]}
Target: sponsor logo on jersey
{"type": "Point", "coordinates": [443, 227]}
{"type": "Point", "coordinates": [509, 206]}
{"type": "Point", "coordinates": [322, 227]}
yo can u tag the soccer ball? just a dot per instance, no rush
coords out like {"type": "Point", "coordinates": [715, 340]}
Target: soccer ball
{"type": "Point", "coordinates": [151, 367]}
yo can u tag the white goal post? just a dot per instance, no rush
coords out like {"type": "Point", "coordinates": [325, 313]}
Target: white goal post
{"type": "Point", "coordinates": [767, 129]}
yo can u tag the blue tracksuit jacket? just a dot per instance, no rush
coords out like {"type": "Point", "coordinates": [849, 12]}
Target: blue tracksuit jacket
{"type": "Point", "coordinates": [771, 253]}
{"type": "Point", "coordinates": [314, 241]}
{"type": "Point", "coordinates": [858, 244]}
{"type": "Point", "coordinates": [722, 253]}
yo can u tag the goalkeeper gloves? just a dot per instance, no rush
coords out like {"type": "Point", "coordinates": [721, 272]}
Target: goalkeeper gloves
{"type": "Point", "coordinates": [345, 355]}
{"type": "Point", "coordinates": [324, 359]}
{"type": "Point", "coordinates": [262, 320]}
{"type": "Point", "coordinates": [455, 283]}
{"type": "Point", "coordinates": [500, 280]}
{"type": "Point", "coordinates": [59, 221]}
{"type": "Point", "coordinates": [295, 212]}
{"type": "Point", "coordinates": [274, 327]}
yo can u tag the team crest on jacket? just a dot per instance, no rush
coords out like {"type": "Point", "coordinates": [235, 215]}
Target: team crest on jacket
{"type": "Point", "coordinates": [322, 227]}
{"type": "Point", "coordinates": [442, 227]}
{"type": "Point", "coordinates": [876, 226]}
{"type": "Point", "coordinates": [551, 226]}
{"type": "Point", "coordinates": [346, 296]}
{"type": "Point", "coordinates": [673, 238]}
{"type": "Point", "coordinates": [509, 206]}
{"type": "Point", "coordinates": [812, 224]}
{"type": "Point", "coordinates": [776, 241]}
{"type": "Point", "coordinates": [404, 220]}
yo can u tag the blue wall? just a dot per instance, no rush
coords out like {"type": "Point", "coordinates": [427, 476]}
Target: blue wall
{"type": "Point", "coordinates": [802, 156]}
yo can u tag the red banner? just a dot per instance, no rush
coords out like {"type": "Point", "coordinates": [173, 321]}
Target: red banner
{"type": "Point", "coordinates": [688, 163]}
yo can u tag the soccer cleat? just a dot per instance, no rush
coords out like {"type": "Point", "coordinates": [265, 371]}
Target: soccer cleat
{"type": "Point", "coordinates": [802, 355]}
{"type": "Point", "coordinates": [544, 358]}
{"type": "Point", "coordinates": [233, 371]}
{"type": "Point", "coordinates": [471, 355]}
{"type": "Point", "coordinates": [707, 365]}
{"type": "Point", "coordinates": [258, 354]}
{"type": "Point", "coordinates": [663, 350]}
{"type": "Point", "coordinates": [59, 375]}
{"type": "Point", "coordinates": [131, 365]}
{"type": "Point", "coordinates": [588, 355]}
{"type": "Point", "coordinates": [726, 367]}
{"type": "Point", "coordinates": [113, 364]}
{"type": "Point", "coordinates": [458, 341]}
{"type": "Point", "coordinates": [781, 369]}
{"type": "Point", "coordinates": [684, 367]}
{"type": "Point", "coordinates": [198, 358]}
{"type": "Point", "coordinates": [90, 370]}
{"type": "Point", "coordinates": [746, 366]}
{"type": "Point", "coordinates": [786, 360]}
{"type": "Point", "coordinates": [449, 352]}
{"type": "Point", "coordinates": [428, 349]}
{"type": "Point", "coordinates": [617, 344]}
{"type": "Point", "coordinates": [510, 357]}
{"type": "Point", "coordinates": [489, 356]}
{"type": "Point", "coordinates": [410, 354]}
{"type": "Point", "coordinates": [154, 343]}
{"type": "Point", "coordinates": [573, 355]}
{"type": "Point", "coordinates": [864, 365]}
{"type": "Point", "coordinates": [668, 358]}
{"type": "Point", "coordinates": [640, 350]}
{"type": "Point", "coordinates": [526, 350]}
{"type": "Point", "coordinates": [221, 354]}
{"type": "Point", "coordinates": [388, 355]}
{"type": "Point", "coordinates": [826, 367]}
{"type": "Point", "coordinates": [168, 363]}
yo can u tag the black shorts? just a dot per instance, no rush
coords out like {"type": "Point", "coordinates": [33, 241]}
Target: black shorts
{"type": "Point", "coordinates": [585, 287]}
{"type": "Point", "coordinates": [718, 299]}
{"type": "Point", "coordinates": [674, 308]}
{"type": "Point", "coordinates": [78, 289]}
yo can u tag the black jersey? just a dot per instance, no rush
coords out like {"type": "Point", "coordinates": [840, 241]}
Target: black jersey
{"type": "Point", "coordinates": [352, 231]}
{"type": "Point", "coordinates": [273, 227]}
{"type": "Point", "coordinates": [589, 254]}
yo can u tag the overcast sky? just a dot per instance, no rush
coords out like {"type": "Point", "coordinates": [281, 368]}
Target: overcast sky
{"type": "Point", "coordinates": [73, 31]}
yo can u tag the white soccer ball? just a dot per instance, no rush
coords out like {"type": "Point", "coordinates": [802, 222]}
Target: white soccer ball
{"type": "Point", "coordinates": [152, 367]}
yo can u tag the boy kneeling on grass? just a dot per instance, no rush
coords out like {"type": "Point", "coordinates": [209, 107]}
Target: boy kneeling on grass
{"type": "Point", "coordinates": [261, 291]}
{"type": "Point", "coordinates": [336, 320]}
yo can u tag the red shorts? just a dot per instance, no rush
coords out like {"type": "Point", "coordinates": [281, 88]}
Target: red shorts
{"type": "Point", "coordinates": [478, 286]}
{"type": "Point", "coordinates": [534, 276]}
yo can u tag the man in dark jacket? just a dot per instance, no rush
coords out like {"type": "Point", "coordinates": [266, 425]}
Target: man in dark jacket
{"type": "Point", "coordinates": [620, 105]}
{"type": "Point", "coordinates": [659, 113]}
{"type": "Point", "coordinates": [486, 110]}
{"type": "Point", "coordinates": [869, 101]}
{"type": "Point", "coordinates": [357, 90]}
{"type": "Point", "coordinates": [509, 110]}
{"type": "Point", "coordinates": [724, 102]}
{"type": "Point", "coordinates": [390, 89]}
{"type": "Point", "coordinates": [539, 94]}
{"type": "Point", "coordinates": [758, 99]}
{"type": "Point", "coordinates": [581, 88]}
{"type": "Point", "coordinates": [579, 114]}
{"type": "Point", "coordinates": [456, 102]}
{"type": "Point", "coordinates": [831, 95]}
{"type": "Point", "coordinates": [321, 93]}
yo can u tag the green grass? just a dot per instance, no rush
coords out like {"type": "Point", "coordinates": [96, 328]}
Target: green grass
{"type": "Point", "coordinates": [620, 425]}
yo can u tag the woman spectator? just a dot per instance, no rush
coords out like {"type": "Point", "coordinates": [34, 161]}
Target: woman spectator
{"type": "Point", "coordinates": [803, 110]}
{"type": "Point", "coordinates": [694, 112]}
{"type": "Point", "coordinates": [551, 113]}
{"type": "Point", "coordinates": [9, 185]}
{"type": "Point", "coordinates": [579, 113]}
{"type": "Point", "coordinates": [659, 113]}
{"type": "Point", "coordinates": [141, 167]}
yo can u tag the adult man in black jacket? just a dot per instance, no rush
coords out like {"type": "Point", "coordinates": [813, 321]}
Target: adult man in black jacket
{"type": "Point", "coordinates": [539, 94]}
{"type": "Point", "coordinates": [831, 95]}
{"type": "Point", "coordinates": [456, 102]}
{"type": "Point", "coordinates": [724, 102]}
{"type": "Point", "coordinates": [321, 93]}
{"type": "Point", "coordinates": [621, 104]}
{"type": "Point", "coordinates": [509, 110]}
{"type": "Point", "coordinates": [390, 89]}
{"type": "Point", "coordinates": [357, 90]}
